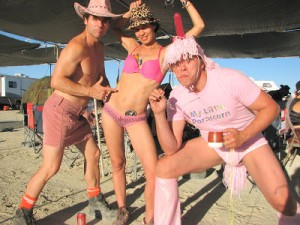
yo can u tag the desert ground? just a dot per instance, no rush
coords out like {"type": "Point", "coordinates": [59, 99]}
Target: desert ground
{"type": "Point", "coordinates": [204, 199]}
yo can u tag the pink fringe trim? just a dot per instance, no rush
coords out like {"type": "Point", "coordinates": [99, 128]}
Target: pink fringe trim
{"type": "Point", "coordinates": [235, 178]}
{"type": "Point", "coordinates": [209, 64]}
{"type": "Point", "coordinates": [184, 48]}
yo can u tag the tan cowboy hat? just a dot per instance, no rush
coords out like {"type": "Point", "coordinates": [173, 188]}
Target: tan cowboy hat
{"type": "Point", "coordinates": [100, 8]}
{"type": "Point", "coordinates": [140, 16]}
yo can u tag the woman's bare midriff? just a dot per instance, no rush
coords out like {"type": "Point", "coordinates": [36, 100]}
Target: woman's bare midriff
{"type": "Point", "coordinates": [133, 93]}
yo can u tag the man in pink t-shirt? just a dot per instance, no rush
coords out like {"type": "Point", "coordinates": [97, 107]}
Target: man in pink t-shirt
{"type": "Point", "coordinates": [215, 99]}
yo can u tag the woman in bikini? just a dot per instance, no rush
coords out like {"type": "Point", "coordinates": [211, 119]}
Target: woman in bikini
{"type": "Point", "coordinates": [126, 109]}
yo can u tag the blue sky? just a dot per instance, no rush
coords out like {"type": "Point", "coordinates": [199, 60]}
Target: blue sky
{"type": "Point", "coordinates": [281, 70]}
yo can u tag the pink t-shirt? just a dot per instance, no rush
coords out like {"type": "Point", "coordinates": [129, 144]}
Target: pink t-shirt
{"type": "Point", "coordinates": [221, 104]}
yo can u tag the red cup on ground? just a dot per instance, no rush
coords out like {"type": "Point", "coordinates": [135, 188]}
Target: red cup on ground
{"type": "Point", "coordinates": [81, 219]}
{"type": "Point", "coordinates": [215, 139]}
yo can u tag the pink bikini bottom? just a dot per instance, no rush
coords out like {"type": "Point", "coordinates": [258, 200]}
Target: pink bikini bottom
{"type": "Point", "coordinates": [123, 121]}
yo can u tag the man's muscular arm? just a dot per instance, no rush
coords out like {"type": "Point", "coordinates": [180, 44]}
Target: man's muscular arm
{"type": "Point", "coordinates": [65, 70]}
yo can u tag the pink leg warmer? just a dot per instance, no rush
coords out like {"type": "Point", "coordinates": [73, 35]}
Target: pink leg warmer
{"type": "Point", "coordinates": [166, 202]}
{"type": "Point", "coordinates": [290, 220]}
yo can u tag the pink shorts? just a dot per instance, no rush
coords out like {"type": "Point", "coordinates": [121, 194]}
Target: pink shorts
{"type": "Point", "coordinates": [123, 121]}
{"type": "Point", "coordinates": [234, 158]}
{"type": "Point", "coordinates": [63, 122]}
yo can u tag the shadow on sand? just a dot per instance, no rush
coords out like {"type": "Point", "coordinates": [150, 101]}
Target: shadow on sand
{"type": "Point", "coordinates": [216, 189]}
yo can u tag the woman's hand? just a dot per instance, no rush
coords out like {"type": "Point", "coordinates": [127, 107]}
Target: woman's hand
{"type": "Point", "coordinates": [134, 4]}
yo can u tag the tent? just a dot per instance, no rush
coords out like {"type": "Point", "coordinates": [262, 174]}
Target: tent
{"type": "Point", "coordinates": [234, 29]}
{"type": "Point", "coordinates": [38, 92]}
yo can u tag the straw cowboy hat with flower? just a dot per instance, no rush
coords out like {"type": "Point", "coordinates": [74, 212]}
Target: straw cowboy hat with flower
{"type": "Point", "coordinates": [101, 8]}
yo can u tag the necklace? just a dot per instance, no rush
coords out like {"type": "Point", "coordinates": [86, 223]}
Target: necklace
{"type": "Point", "coordinates": [140, 57]}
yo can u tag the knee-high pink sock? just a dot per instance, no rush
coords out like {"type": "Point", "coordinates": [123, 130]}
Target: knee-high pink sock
{"type": "Point", "coordinates": [289, 220]}
{"type": "Point", "coordinates": [166, 202]}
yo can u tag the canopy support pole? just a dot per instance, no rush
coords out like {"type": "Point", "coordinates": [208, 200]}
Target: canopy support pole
{"type": "Point", "coordinates": [98, 137]}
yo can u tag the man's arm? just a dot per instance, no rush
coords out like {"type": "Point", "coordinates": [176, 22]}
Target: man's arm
{"type": "Point", "coordinates": [65, 68]}
{"type": "Point", "coordinates": [169, 134]}
{"type": "Point", "coordinates": [265, 110]}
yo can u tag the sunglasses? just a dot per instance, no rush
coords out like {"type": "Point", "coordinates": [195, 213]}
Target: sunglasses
{"type": "Point", "coordinates": [169, 2]}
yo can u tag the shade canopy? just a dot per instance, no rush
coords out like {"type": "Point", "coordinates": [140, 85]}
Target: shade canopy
{"type": "Point", "coordinates": [233, 28]}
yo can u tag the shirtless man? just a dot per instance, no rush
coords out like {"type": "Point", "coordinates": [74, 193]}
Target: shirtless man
{"type": "Point", "coordinates": [79, 76]}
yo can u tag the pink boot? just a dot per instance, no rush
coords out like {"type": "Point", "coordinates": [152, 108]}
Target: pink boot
{"type": "Point", "coordinates": [290, 220]}
{"type": "Point", "coordinates": [166, 202]}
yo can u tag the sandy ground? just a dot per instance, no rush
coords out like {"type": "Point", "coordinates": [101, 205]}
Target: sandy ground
{"type": "Point", "coordinates": [204, 200]}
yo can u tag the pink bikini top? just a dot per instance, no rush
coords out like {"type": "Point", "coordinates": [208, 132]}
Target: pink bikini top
{"type": "Point", "coordinates": [149, 69]}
